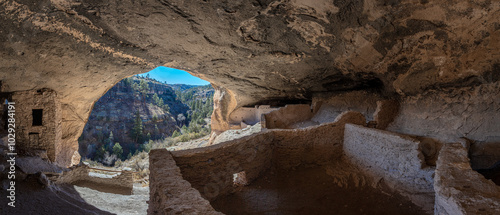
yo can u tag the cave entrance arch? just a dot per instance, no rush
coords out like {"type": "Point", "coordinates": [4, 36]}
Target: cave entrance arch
{"type": "Point", "coordinates": [142, 111]}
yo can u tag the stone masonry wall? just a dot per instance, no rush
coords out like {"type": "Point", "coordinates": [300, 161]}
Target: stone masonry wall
{"type": "Point", "coordinates": [248, 115]}
{"type": "Point", "coordinates": [122, 183]}
{"type": "Point", "coordinates": [210, 169]}
{"type": "Point", "coordinates": [169, 192]}
{"type": "Point", "coordinates": [461, 190]}
{"type": "Point", "coordinates": [288, 115]}
{"type": "Point", "coordinates": [397, 159]}
{"type": "Point", "coordinates": [312, 145]}
{"type": "Point", "coordinates": [43, 137]}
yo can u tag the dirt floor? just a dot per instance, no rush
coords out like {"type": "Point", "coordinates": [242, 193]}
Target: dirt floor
{"type": "Point", "coordinates": [134, 204]}
{"type": "Point", "coordinates": [311, 191]}
{"type": "Point", "coordinates": [31, 198]}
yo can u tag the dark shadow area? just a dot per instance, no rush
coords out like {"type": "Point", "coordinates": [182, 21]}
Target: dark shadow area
{"type": "Point", "coordinates": [311, 191]}
{"type": "Point", "coordinates": [122, 190]}
{"type": "Point", "coordinates": [32, 198]}
{"type": "Point", "coordinates": [492, 173]}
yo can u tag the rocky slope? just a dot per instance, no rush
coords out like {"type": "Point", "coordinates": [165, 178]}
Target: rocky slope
{"type": "Point", "coordinates": [115, 113]}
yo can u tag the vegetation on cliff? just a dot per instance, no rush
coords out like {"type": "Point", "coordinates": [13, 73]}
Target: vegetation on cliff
{"type": "Point", "coordinates": [140, 111]}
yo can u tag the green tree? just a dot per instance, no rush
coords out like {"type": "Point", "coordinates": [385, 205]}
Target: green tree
{"type": "Point", "coordinates": [118, 150]}
{"type": "Point", "coordinates": [166, 108]}
{"type": "Point", "coordinates": [99, 154]}
{"type": "Point", "coordinates": [176, 134]}
{"type": "Point", "coordinates": [129, 156]}
{"type": "Point", "coordinates": [147, 147]}
{"type": "Point", "coordinates": [137, 129]}
{"type": "Point", "coordinates": [143, 87]}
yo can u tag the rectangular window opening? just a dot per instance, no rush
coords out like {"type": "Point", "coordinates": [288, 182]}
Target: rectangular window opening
{"type": "Point", "coordinates": [37, 117]}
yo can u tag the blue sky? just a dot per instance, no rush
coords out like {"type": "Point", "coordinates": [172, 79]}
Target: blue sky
{"type": "Point", "coordinates": [174, 76]}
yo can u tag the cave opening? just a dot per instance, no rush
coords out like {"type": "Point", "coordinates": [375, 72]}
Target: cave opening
{"type": "Point", "coordinates": [162, 108]}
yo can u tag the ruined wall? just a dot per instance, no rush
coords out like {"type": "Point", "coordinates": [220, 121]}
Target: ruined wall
{"type": "Point", "coordinates": [398, 159]}
{"type": "Point", "coordinates": [248, 115]}
{"type": "Point", "coordinates": [210, 169]}
{"type": "Point", "coordinates": [286, 116]}
{"type": "Point", "coordinates": [461, 190]}
{"type": "Point", "coordinates": [79, 175]}
{"type": "Point", "coordinates": [312, 145]}
{"type": "Point", "coordinates": [169, 192]}
{"type": "Point", "coordinates": [329, 105]}
{"type": "Point", "coordinates": [47, 133]}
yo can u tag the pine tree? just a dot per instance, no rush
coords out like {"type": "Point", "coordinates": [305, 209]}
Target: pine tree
{"type": "Point", "coordinates": [118, 150]}
{"type": "Point", "coordinates": [137, 129]}
{"type": "Point", "coordinates": [143, 88]}
{"type": "Point", "coordinates": [110, 139]}
{"type": "Point", "coordinates": [100, 153]}
{"type": "Point", "coordinates": [176, 134]}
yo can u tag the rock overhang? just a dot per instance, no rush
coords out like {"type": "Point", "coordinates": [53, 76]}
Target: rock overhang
{"type": "Point", "coordinates": [256, 51]}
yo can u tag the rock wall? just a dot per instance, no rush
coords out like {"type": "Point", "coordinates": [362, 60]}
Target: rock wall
{"type": "Point", "coordinates": [256, 50]}
{"type": "Point", "coordinates": [397, 159]}
{"type": "Point", "coordinates": [169, 192]}
{"type": "Point", "coordinates": [461, 190]}
{"type": "Point", "coordinates": [447, 115]}
{"type": "Point", "coordinates": [122, 183]}
{"type": "Point", "coordinates": [329, 105]}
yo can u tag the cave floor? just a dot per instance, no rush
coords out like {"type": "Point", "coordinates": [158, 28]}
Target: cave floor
{"type": "Point", "coordinates": [311, 191]}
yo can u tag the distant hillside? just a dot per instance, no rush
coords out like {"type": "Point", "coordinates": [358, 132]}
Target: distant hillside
{"type": "Point", "coordinates": [181, 87]}
{"type": "Point", "coordinates": [140, 109]}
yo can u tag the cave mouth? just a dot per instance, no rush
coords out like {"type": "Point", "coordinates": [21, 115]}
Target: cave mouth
{"type": "Point", "coordinates": [157, 109]}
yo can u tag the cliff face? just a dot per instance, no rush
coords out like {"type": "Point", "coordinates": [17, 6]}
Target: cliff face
{"type": "Point", "coordinates": [116, 111]}
{"type": "Point", "coordinates": [255, 52]}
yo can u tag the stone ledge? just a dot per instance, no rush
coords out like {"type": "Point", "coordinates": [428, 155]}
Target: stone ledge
{"type": "Point", "coordinates": [395, 158]}
{"type": "Point", "coordinates": [461, 190]}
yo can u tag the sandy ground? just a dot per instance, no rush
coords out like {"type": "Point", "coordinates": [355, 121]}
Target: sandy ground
{"type": "Point", "coordinates": [115, 203]}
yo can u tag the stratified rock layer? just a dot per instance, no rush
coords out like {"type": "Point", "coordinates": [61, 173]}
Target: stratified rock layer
{"type": "Point", "coordinates": [256, 51]}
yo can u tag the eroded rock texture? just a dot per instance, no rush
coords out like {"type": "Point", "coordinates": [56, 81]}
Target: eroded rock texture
{"type": "Point", "coordinates": [256, 51]}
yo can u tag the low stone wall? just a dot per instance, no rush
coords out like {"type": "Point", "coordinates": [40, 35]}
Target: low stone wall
{"type": "Point", "coordinates": [169, 192]}
{"type": "Point", "coordinates": [461, 190]}
{"type": "Point", "coordinates": [287, 116]}
{"type": "Point", "coordinates": [312, 145]}
{"type": "Point", "coordinates": [210, 169]}
{"type": "Point", "coordinates": [248, 115]}
{"type": "Point", "coordinates": [397, 159]}
{"type": "Point", "coordinates": [120, 184]}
